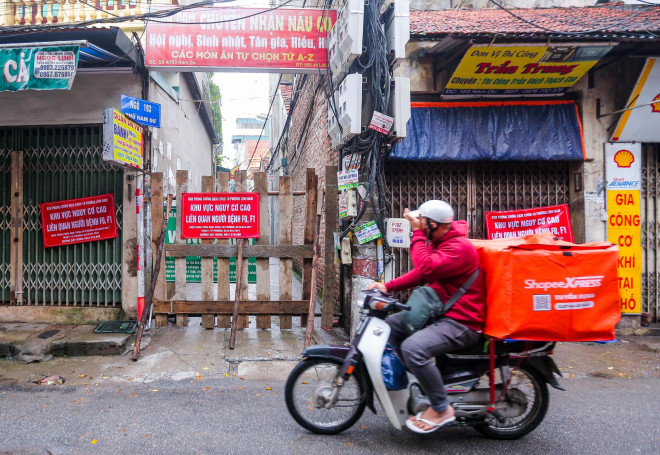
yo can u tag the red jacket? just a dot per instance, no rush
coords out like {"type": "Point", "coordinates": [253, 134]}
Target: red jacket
{"type": "Point", "coordinates": [445, 266]}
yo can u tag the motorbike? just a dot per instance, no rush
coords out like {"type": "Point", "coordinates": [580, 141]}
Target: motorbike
{"type": "Point", "coordinates": [498, 387]}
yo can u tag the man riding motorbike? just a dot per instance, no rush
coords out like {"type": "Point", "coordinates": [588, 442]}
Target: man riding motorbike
{"type": "Point", "coordinates": [445, 264]}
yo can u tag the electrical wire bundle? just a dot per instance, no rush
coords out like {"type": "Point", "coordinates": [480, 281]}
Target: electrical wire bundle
{"type": "Point", "coordinates": [371, 146]}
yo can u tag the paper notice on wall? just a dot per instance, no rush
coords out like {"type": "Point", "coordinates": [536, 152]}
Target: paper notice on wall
{"type": "Point", "coordinates": [381, 123]}
{"type": "Point", "coordinates": [347, 179]}
{"type": "Point", "coordinates": [367, 232]}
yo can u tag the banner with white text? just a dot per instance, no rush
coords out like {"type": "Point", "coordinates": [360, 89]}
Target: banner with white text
{"type": "Point", "coordinates": [220, 38]}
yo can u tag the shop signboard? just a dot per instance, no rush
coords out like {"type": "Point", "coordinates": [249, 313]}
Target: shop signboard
{"type": "Point", "coordinates": [624, 220]}
{"type": "Point", "coordinates": [122, 139]}
{"type": "Point", "coordinates": [38, 68]}
{"type": "Point", "coordinates": [220, 216]}
{"type": "Point", "coordinates": [639, 121]}
{"type": "Point", "coordinates": [520, 223]}
{"type": "Point", "coordinates": [87, 219]}
{"type": "Point", "coordinates": [140, 111]}
{"type": "Point", "coordinates": [522, 70]}
{"type": "Point", "coordinates": [277, 40]}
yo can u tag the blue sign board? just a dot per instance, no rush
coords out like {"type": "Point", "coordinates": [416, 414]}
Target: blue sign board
{"type": "Point", "coordinates": [141, 111]}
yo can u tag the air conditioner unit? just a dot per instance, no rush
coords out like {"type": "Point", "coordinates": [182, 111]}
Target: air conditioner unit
{"type": "Point", "coordinates": [397, 28]}
{"type": "Point", "coordinates": [400, 106]}
{"type": "Point", "coordinates": [345, 41]}
{"type": "Point", "coordinates": [348, 119]}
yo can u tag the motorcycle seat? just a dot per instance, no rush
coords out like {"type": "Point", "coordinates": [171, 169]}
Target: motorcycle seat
{"type": "Point", "coordinates": [504, 347]}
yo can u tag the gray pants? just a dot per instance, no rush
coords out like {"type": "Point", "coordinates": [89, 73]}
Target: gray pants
{"type": "Point", "coordinates": [419, 349]}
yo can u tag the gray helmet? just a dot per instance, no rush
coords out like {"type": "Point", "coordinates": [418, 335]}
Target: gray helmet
{"type": "Point", "coordinates": [438, 211]}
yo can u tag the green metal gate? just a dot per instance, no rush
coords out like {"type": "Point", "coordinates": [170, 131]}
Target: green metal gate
{"type": "Point", "coordinates": [65, 163]}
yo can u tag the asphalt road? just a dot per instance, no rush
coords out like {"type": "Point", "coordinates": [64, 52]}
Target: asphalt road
{"type": "Point", "coordinates": [233, 416]}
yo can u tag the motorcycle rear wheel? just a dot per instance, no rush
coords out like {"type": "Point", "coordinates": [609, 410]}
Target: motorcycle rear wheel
{"type": "Point", "coordinates": [532, 384]}
{"type": "Point", "coordinates": [309, 384]}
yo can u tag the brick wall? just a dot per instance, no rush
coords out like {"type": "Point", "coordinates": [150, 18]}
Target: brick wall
{"type": "Point", "coordinates": [313, 151]}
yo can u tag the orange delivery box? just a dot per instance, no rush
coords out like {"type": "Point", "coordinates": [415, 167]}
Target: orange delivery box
{"type": "Point", "coordinates": [542, 289]}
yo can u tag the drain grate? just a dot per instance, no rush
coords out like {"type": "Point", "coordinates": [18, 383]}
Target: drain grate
{"type": "Point", "coordinates": [116, 327]}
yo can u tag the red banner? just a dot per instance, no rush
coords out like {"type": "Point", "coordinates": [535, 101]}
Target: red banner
{"type": "Point", "coordinates": [279, 40]}
{"type": "Point", "coordinates": [220, 216]}
{"type": "Point", "coordinates": [520, 223]}
{"type": "Point", "coordinates": [81, 220]}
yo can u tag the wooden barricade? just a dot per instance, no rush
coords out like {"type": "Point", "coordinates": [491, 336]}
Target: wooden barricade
{"type": "Point", "coordinates": [264, 307]}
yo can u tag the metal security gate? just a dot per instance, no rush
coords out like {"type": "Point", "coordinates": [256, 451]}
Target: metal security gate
{"type": "Point", "coordinates": [65, 163]}
{"type": "Point", "coordinates": [5, 223]}
{"type": "Point", "coordinates": [650, 229]}
{"type": "Point", "coordinates": [473, 188]}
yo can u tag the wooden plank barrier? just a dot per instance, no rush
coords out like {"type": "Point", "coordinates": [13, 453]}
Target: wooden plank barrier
{"type": "Point", "coordinates": [264, 308]}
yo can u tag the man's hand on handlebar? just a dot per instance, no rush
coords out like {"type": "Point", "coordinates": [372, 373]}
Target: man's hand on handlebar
{"type": "Point", "coordinates": [377, 285]}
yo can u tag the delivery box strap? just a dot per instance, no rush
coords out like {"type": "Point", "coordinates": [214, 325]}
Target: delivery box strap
{"type": "Point", "coordinates": [459, 292]}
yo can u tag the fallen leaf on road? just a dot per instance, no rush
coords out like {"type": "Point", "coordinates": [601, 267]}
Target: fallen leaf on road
{"type": "Point", "coordinates": [257, 394]}
{"type": "Point", "coordinates": [134, 395]}
{"type": "Point", "coordinates": [305, 382]}
{"type": "Point", "coordinates": [207, 387]}
{"type": "Point", "coordinates": [104, 377]}
{"type": "Point", "coordinates": [242, 379]}
{"type": "Point", "coordinates": [364, 427]}
{"type": "Point", "coordinates": [198, 376]}
{"type": "Point", "coordinates": [50, 380]}
{"type": "Point", "coordinates": [147, 435]}
{"type": "Point", "coordinates": [205, 368]}
{"type": "Point", "coordinates": [123, 430]}
{"type": "Point", "coordinates": [350, 444]}
{"type": "Point", "coordinates": [154, 390]}
{"type": "Point", "coordinates": [130, 379]}
{"type": "Point", "coordinates": [94, 441]}
{"type": "Point", "coordinates": [610, 368]}
{"type": "Point", "coordinates": [623, 375]}
{"type": "Point", "coordinates": [269, 388]}
{"type": "Point", "coordinates": [240, 388]}
{"type": "Point", "coordinates": [82, 375]}
{"type": "Point", "coordinates": [226, 375]}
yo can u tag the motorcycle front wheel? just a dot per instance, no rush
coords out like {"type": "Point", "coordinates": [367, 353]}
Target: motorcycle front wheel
{"type": "Point", "coordinates": [532, 385]}
{"type": "Point", "coordinates": [308, 391]}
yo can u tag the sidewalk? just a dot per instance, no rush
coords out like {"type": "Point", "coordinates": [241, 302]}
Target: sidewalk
{"type": "Point", "coordinates": [171, 353]}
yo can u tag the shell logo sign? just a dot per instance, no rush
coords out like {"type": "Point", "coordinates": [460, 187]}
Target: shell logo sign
{"type": "Point", "coordinates": [655, 107]}
{"type": "Point", "coordinates": [624, 158]}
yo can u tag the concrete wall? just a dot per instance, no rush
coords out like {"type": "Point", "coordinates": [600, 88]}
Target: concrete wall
{"type": "Point", "coordinates": [184, 134]}
{"type": "Point", "coordinates": [82, 105]}
{"type": "Point", "coordinates": [609, 88]}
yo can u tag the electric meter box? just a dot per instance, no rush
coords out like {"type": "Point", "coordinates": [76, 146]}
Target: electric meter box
{"type": "Point", "coordinates": [345, 40]}
{"type": "Point", "coordinates": [400, 106]}
{"type": "Point", "coordinates": [348, 119]}
{"type": "Point", "coordinates": [397, 28]}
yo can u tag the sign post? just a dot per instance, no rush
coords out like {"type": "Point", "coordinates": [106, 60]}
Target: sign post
{"type": "Point", "coordinates": [81, 220]}
{"type": "Point", "coordinates": [122, 139]}
{"type": "Point", "coordinates": [624, 175]}
{"type": "Point", "coordinates": [220, 216]}
{"type": "Point", "coordinates": [509, 70]}
{"type": "Point", "coordinates": [281, 40]}
{"type": "Point", "coordinates": [520, 223]}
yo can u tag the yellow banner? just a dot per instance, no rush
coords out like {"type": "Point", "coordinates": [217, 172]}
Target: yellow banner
{"type": "Point", "coordinates": [521, 70]}
{"type": "Point", "coordinates": [127, 140]}
{"type": "Point", "coordinates": [624, 230]}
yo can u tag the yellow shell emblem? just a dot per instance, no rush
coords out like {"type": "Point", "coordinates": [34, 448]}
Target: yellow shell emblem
{"type": "Point", "coordinates": [624, 158]}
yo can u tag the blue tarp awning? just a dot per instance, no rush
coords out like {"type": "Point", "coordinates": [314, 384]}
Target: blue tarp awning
{"type": "Point", "coordinates": [495, 131]}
